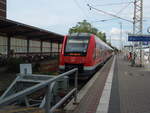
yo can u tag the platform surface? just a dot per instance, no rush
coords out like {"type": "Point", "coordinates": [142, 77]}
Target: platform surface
{"type": "Point", "coordinates": [130, 88]}
{"type": "Point", "coordinates": [129, 91]}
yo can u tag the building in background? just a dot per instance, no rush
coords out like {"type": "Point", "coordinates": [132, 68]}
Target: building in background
{"type": "Point", "coordinates": [3, 9]}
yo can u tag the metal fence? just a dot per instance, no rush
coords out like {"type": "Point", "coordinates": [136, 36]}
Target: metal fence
{"type": "Point", "coordinates": [48, 84]}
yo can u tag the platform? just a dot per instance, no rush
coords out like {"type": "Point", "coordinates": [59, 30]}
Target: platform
{"type": "Point", "coordinates": [117, 88]}
{"type": "Point", "coordinates": [130, 89]}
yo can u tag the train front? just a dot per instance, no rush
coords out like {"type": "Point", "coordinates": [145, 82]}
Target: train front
{"type": "Point", "coordinates": [75, 53]}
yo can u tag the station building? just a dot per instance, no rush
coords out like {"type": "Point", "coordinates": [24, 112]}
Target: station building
{"type": "Point", "coordinates": [22, 39]}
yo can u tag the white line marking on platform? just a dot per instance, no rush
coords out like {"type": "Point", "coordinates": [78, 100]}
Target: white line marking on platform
{"type": "Point", "coordinates": [104, 100]}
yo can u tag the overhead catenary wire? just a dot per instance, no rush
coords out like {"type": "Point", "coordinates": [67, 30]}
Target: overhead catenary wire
{"type": "Point", "coordinates": [122, 9]}
{"type": "Point", "coordinates": [78, 5]}
{"type": "Point", "coordinates": [103, 20]}
{"type": "Point", "coordinates": [111, 4]}
{"type": "Point", "coordinates": [110, 14]}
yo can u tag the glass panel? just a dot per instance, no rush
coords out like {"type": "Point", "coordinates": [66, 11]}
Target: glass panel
{"type": "Point", "coordinates": [77, 44]}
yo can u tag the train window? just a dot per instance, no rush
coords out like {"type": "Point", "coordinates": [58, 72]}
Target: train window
{"type": "Point", "coordinates": [77, 44]}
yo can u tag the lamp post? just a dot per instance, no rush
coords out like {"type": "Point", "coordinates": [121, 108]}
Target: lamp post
{"type": "Point", "coordinates": [121, 35]}
{"type": "Point", "coordinates": [110, 39]}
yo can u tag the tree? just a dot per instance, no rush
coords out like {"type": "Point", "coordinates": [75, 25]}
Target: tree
{"type": "Point", "coordinates": [86, 27]}
{"type": "Point", "coordinates": [102, 36]}
{"type": "Point", "coordinates": [81, 27]}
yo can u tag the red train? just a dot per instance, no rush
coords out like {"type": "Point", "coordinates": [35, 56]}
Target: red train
{"type": "Point", "coordinates": [84, 51]}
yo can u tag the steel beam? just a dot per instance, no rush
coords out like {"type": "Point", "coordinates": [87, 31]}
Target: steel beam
{"type": "Point", "coordinates": [23, 93]}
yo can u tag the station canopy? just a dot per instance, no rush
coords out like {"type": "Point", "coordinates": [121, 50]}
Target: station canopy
{"type": "Point", "coordinates": [11, 28]}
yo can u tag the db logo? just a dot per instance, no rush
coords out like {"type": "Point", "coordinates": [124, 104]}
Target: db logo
{"type": "Point", "coordinates": [72, 60]}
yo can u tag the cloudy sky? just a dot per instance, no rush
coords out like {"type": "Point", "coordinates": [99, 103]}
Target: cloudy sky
{"type": "Point", "coordinates": [59, 15]}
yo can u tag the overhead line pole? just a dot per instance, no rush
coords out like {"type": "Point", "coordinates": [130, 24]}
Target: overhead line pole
{"type": "Point", "coordinates": [138, 22]}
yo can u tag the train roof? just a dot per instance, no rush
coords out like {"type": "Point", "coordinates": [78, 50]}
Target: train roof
{"type": "Point", "coordinates": [89, 34]}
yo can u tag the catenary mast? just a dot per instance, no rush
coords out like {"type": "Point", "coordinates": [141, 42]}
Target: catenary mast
{"type": "Point", "coordinates": [138, 22]}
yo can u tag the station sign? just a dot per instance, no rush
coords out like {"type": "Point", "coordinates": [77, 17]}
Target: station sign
{"type": "Point", "coordinates": [140, 38]}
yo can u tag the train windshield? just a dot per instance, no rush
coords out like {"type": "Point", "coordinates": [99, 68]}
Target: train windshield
{"type": "Point", "coordinates": [77, 44]}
